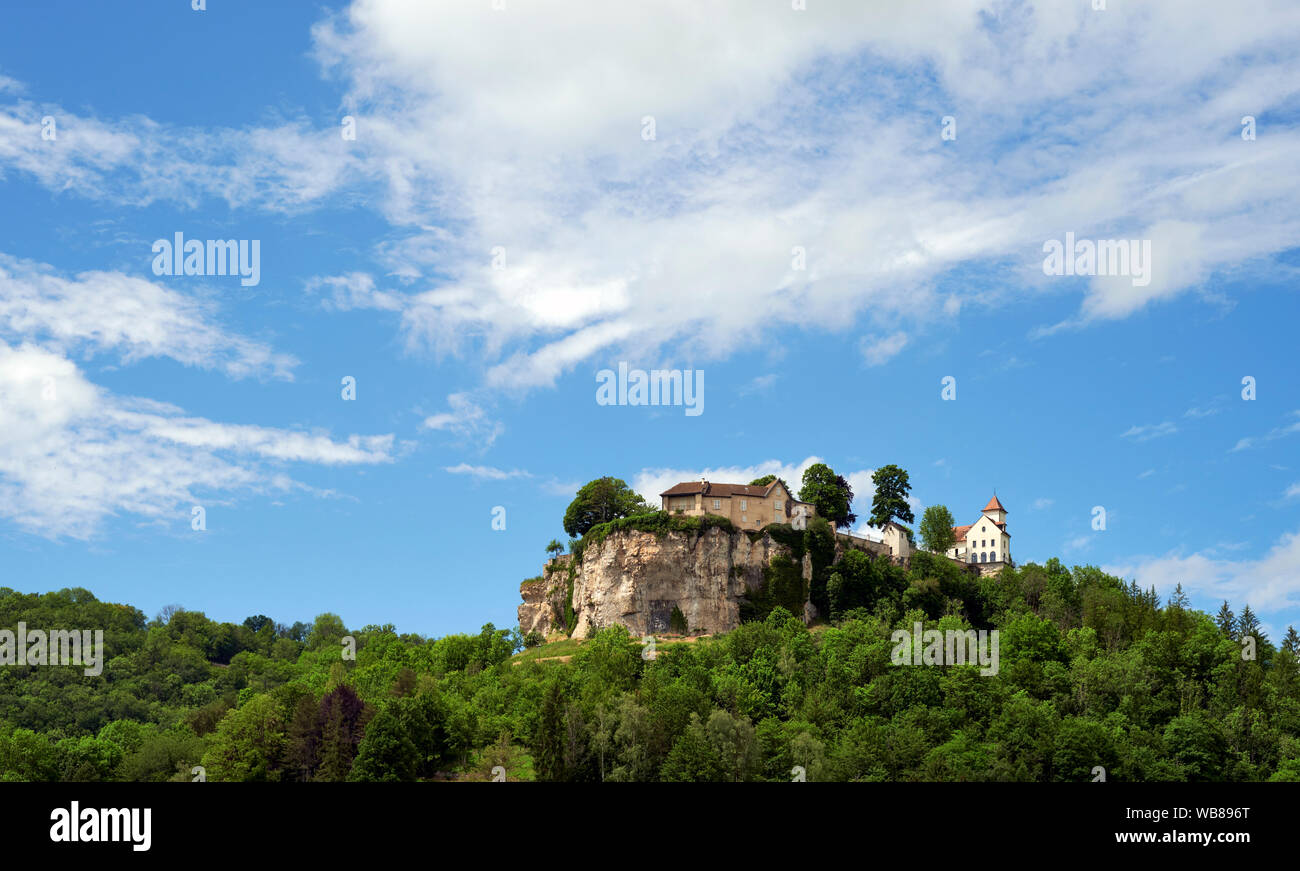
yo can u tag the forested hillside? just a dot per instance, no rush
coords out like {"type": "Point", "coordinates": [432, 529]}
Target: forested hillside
{"type": "Point", "coordinates": [1093, 672]}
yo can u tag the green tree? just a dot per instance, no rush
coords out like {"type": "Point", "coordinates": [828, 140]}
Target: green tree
{"type": "Point", "coordinates": [554, 548]}
{"type": "Point", "coordinates": [1081, 744]}
{"type": "Point", "coordinates": [1179, 599]}
{"type": "Point", "coordinates": [249, 743]}
{"type": "Point", "coordinates": [890, 501]}
{"type": "Point", "coordinates": [1196, 745]}
{"type": "Point", "coordinates": [160, 756]}
{"type": "Point", "coordinates": [937, 529]}
{"type": "Point", "coordinates": [258, 621]}
{"type": "Point", "coordinates": [343, 717]}
{"type": "Point", "coordinates": [327, 631]}
{"type": "Point", "coordinates": [303, 753]}
{"type": "Point", "coordinates": [27, 756]}
{"type": "Point", "coordinates": [386, 754]}
{"type": "Point", "coordinates": [548, 746]}
{"type": "Point", "coordinates": [829, 493]}
{"type": "Point", "coordinates": [1226, 621]}
{"type": "Point", "coordinates": [693, 758]}
{"type": "Point", "coordinates": [1248, 624]}
{"type": "Point", "coordinates": [405, 741]}
{"type": "Point", "coordinates": [601, 501]}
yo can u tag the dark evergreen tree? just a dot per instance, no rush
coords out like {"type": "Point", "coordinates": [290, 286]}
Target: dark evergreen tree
{"type": "Point", "coordinates": [1226, 620]}
{"type": "Point", "coordinates": [548, 748]}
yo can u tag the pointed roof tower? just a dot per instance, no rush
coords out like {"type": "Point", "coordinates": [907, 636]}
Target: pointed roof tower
{"type": "Point", "coordinates": [995, 512]}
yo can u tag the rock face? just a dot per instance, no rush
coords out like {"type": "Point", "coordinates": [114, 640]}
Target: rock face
{"type": "Point", "coordinates": [636, 578]}
{"type": "Point", "coordinates": [545, 598]}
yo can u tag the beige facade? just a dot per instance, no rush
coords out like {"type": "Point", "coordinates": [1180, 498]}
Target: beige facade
{"type": "Point", "coordinates": [900, 546]}
{"type": "Point", "coordinates": [746, 506]}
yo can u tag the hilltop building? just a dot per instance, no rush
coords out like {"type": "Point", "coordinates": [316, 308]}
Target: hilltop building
{"type": "Point", "coordinates": [985, 542]}
{"type": "Point", "coordinates": [745, 505]}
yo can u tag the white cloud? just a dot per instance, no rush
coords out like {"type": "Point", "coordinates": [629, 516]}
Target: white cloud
{"type": "Point", "coordinates": [466, 420]}
{"type": "Point", "coordinates": [1266, 584]}
{"type": "Point", "coordinates": [138, 161]}
{"type": "Point", "coordinates": [1150, 431]}
{"type": "Point", "coordinates": [1275, 433]}
{"type": "Point", "coordinates": [110, 311]}
{"type": "Point", "coordinates": [561, 488]}
{"type": "Point", "coordinates": [356, 290]}
{"type": "Point", "coordinates": [72, 454]}
{"type": "Point", "coordinates": [759, 384]}
{"type": "Point", "coordinates": [490, 473]}
{"type": "Point", "coordinates": [523, 129]}
{"type": "Point", "coordinates": [1078, 543]}
{"type": "Point", "coordinates": [685, 241]}
{"type": "Point", "coordinates": [1043, 503]}
{"type": "Point", "coordinates": [1180, 259]}
{"type": "Point", "coordinates": [885, 349]}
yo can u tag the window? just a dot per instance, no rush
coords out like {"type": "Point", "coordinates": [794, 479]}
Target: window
{"type": "Point", "coordinates": [972, 556]}
{"type": "Point", "coordinates": [776, 506]}
{"type": "Point", "coordinates": [744, 504]}
{"type": "Point", "coordinates": [717, 503]}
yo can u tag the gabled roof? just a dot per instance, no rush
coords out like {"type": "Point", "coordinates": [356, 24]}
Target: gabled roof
{"type": "Point", "coordinates": [719, 491]}
{"type": "Point", "coordinates": [994, 505]}
{"type": "Point", "coordinates": [960, 531]}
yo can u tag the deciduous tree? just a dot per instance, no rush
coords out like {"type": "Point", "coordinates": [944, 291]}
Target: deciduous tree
{"type": "Point", "coordinates": [890, 501]}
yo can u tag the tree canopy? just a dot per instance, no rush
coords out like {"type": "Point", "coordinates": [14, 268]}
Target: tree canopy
{"type": "Point", "coordinates": [937, 529]}
{"type": "Point", "coordinates": [890, 501]}
{"type": "Point", "coordinates": [601, 501]}
{"type": "Point", "coordinates": [829, 493]}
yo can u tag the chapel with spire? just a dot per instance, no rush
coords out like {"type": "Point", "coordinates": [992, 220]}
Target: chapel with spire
{"type": "Point", "coordinates": [986, 541]}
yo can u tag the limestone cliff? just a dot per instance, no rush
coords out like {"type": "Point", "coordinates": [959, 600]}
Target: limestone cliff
{"type": "Point", "coordinates": [636, 578]}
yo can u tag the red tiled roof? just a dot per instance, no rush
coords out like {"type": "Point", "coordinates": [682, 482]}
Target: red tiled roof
{"type": "Point", "coordinates": [994, 505]}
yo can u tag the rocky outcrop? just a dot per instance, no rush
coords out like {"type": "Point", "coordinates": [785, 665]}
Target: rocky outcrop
{"type": "Point", "coordinates": [636, 578]}
{"type": "Point", "coordinates": [545, 597]}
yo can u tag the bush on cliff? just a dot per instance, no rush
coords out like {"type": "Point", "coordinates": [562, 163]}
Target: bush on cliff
{"type": "Point", "coordinates": [658, 522]}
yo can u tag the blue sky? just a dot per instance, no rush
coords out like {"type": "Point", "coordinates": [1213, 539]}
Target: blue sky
{"type": "Point", "coordinates": [127, 398]}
